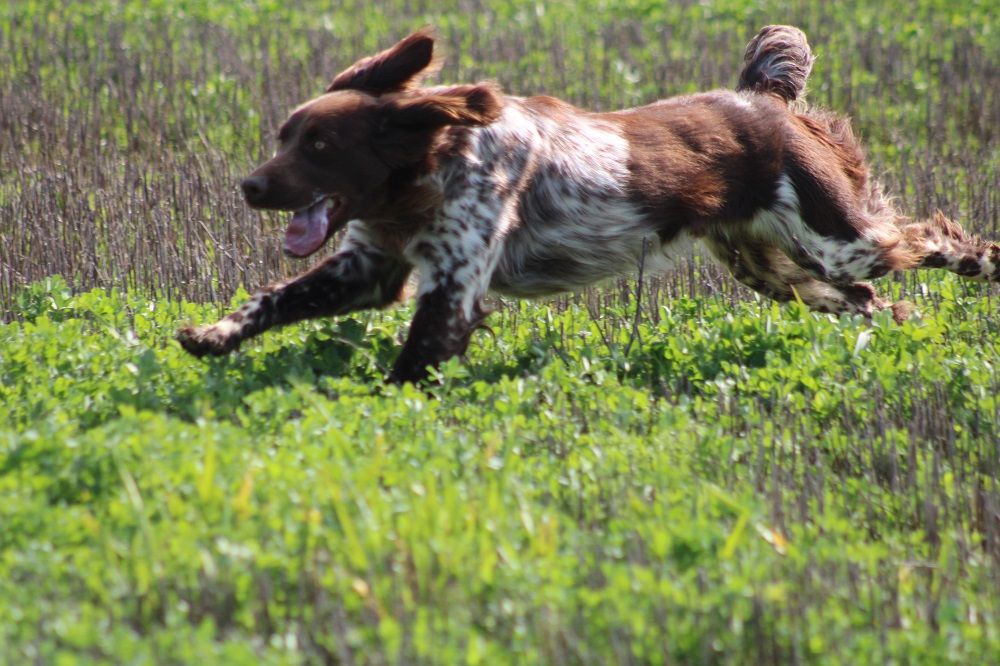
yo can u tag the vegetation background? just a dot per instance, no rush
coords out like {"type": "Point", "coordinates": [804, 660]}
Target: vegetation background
{"type": "Point", "coordinates": [693, 476]}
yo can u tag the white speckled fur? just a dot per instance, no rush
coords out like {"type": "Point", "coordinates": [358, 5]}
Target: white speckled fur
{"type": "Point", "coordinates": [542, 209]}
{"type": "Point", "coordinates": [836, 260]}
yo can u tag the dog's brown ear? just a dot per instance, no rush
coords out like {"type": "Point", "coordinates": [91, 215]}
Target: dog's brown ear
{"type": "Point", "coordinates": [410, 122]}
{"type": "Point", "coordinates": [468, 105]}
{"type": "Point", "coordinates": [398, 68]}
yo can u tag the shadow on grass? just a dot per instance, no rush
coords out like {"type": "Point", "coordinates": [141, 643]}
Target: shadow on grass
{"type": "Point", "coordinates": [223, 383]}
{"type": "Point", "coordinates": [346, 350]}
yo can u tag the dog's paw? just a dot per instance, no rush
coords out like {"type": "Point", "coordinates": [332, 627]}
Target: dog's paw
{"type": "Point", "coordinates": [902, 310]}
{"type": "Point", "coordinates": [207, 340]}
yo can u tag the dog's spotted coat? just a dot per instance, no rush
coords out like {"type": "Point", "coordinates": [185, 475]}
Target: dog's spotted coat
{"type": "Point", "coordinates": [531, 196]}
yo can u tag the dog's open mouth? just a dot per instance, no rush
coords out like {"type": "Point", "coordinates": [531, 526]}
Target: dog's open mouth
{"type": "Point", "coordinates": [313, 225]}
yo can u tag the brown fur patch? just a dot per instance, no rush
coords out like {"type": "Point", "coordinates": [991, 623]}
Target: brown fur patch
{"type": "Point", "coordinates": [777, 61]}
{"type": "Point", "coordinates": [827, 167]}
{"type": "Point", "coordinates": [467, 105]}
{"type": "Point", "coordinates": [703, 158]}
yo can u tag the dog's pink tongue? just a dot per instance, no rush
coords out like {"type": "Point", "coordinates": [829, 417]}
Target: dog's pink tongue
{"type": "Point", "coordinates": [307, 230]}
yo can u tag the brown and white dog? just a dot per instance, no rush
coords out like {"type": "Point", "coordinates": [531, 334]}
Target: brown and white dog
{"type": "Point", "coordinates": [479, 191]}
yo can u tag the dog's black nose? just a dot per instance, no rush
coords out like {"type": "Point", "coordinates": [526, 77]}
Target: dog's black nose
{"type": "Point", "coordinates": [254, 188]}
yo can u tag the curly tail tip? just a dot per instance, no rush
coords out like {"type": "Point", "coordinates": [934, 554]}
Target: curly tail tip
{"type": "Point", "coordinates": [778, 61]}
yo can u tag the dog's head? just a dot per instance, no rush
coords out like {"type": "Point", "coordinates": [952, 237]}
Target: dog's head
{"type": "Point", "coordinates": [337, 152]}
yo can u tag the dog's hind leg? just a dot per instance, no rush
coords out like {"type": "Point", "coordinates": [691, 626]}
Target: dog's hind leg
{"type": "Point", "coordinates": [941, 243]}
{"type": "Point", "coordinates": [358, 276]}
{"type": "Point", "coordinates": [769, 271]}
{"type": "Point", "coordinates": [855, 298]}
{"type": "Point", "coordinates": [884, 242]}
{"type": "Point", "coordinates": [846, 253]}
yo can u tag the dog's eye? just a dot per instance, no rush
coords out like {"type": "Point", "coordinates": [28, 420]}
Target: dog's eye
{"type": "Point", "coordinates": [319, 145]}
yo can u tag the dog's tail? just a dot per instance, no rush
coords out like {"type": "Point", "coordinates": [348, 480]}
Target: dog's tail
{"type": "Point", "coordinates": [777, 61]}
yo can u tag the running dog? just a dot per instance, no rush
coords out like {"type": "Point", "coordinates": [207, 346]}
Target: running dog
{"type": "Point", "coordinates": [481, 191]}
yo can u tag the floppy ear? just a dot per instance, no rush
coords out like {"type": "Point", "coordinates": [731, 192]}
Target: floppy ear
{"type": "Point", "coordinates": [398, 68]}
{"type": "Point", "coordinates": [468, 105]}
{"type": "Point", "coordinates": [409, 123]}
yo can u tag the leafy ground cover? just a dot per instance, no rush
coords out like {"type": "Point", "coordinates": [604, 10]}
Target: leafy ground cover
{"type": "Point", "coordinates": [745, 483]}
{"type": "Point", "coordinates": [716, 480]}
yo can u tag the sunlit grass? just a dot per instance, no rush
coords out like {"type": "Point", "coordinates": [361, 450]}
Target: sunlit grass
{"type": "Point", "coordinates": [714, 479]}
{"type": "Point", "coordinates": [748, 482]}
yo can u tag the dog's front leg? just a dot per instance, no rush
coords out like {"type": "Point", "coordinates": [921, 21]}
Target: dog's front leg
{"type": "Point", "coordinates": [358, 276]}
{"type": "Point", "coordinates": [440, 330]}
{"type": "Point", "coordinates": [455, 258]}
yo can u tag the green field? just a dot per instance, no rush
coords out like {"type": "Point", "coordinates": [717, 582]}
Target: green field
{"type": "Point", "coordinates": [698, 478]}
